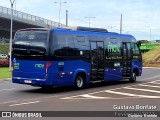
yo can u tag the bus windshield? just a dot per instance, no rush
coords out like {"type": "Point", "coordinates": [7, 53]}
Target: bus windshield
{"type": "Point", "coordinates": [31, 37]}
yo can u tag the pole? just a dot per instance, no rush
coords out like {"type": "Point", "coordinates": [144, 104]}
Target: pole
{"type": "Point", "coordinates": [60, 4]}
{"type": "Point", "coordinates": [60, 13]}
{"type": "Point", "coordinates": [89, 19]}
{"type": "Point", "coordinates": [66, 17]}
{"type": "Point", "coordinates": [121, 25]}
{"type": "Point", "coordinates": [10, 45]}
{"type": "Point", "coordinates": [111, 27]}
{"type": "Point", "coordinates": [150, 33]}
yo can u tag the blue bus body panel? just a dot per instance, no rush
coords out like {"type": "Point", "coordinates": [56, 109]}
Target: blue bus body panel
{"type": "Point", "coordinates": [113, 74]}
{"type": "Point", "coordinates": [24, 71]}
{"type": "Point", "coordinates": [137, 64]}
{"type": "Point", "coordinates": [63, 73]}
{"type": "Point", "coordinates": [60, 73]}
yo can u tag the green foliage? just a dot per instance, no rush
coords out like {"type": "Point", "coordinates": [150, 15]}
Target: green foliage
{"type": "Point", "coordinates": [144, 41]}
{"type": "Point", "coordinates": [4, 48]}
{"type": "Point", "coordinates": [5, 73]}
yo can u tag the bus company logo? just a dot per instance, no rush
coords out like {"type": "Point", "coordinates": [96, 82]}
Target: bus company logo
{"type": "Point", "coordinates": [14, 60]}
{"type": "Point", "coordinates": [40, 66]}
{"type": "Point", "coordinates": [16, 65]}
{"type": "Point", "coordinates": [114, 47]}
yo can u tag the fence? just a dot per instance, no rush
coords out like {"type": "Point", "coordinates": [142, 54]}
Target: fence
{"type": "Point", "coordinates": [27, 18]}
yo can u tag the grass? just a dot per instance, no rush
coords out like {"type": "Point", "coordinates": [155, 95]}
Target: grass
{"type": "Point", "coordinates": [152, 58]}
{"type": "Point", "coordinates": [5, 73]}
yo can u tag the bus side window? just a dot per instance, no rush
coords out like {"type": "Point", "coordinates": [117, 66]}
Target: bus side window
{"type": "Point", "coordinates": [81, 46]}
{"type": "Point", "coordinates": [65, 46]}
{"type": "Point", "coordinates": [136, 51]}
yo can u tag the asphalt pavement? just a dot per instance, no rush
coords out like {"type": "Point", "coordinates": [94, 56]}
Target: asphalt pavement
{"type": "Point", "coordinates": [143, 95]}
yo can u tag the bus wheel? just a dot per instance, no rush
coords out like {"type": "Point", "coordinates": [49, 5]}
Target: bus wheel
{"type": "Point", "coordinates": [133, 77]}
{"type": "Point", "coordinates": [79, 81]}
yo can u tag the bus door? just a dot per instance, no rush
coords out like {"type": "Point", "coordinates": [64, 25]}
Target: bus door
{"type": "Point", "coordinates": [127, 59]}
{"type": "Point", "coordinates": [97, 60]}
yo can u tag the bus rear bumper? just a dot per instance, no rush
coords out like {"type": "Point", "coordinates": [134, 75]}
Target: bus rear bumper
{"type": "Point", "coordinates": [33, 82]}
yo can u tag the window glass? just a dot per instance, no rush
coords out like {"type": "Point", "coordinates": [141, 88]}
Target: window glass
{"type": "Point", "coordinates": [113, 50]}
{"type": "Point", "coordinates": [136, 51]}
{"type": "Point", "coordinates": [37, 38]}
{"type": "Point", "coordinates": [113, 54]}
{"type": "Point", "coordinates": [65, 45]}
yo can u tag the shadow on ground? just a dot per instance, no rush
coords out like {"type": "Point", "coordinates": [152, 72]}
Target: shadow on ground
{"type": "Point", "coordinates": [57, 90]}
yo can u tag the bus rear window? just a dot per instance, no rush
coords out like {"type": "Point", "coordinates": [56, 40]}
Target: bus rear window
{"type": "Point", "coordinates": [37, 38]}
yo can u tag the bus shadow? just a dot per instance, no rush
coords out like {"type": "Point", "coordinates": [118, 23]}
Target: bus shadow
{"type": "Point", "coordinates": [57, 90]}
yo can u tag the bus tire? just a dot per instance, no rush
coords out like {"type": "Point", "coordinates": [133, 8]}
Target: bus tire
{"type": "Point", "coordinates": [80, 81]}
{"type": "Point", "coordinates": [133, 78]}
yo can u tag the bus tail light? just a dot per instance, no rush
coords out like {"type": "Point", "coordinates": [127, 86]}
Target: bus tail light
{"type": "Point", "coordinates": [48, 64]}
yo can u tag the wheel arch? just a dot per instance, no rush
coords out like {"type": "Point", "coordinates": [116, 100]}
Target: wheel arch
{"type": "Point", "coordinates": [82, 72]}
{"type": "Point", "coordinates": [136, 71]}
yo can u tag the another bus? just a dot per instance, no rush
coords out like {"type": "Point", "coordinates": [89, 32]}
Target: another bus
{"type": "Point", "coordinates": [66, 57]}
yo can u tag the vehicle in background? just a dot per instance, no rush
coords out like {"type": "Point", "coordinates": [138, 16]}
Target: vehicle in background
{"type": "Point", "coordinates": [4, 62]}
{"type": "Point", "coordinates": [3, 56]}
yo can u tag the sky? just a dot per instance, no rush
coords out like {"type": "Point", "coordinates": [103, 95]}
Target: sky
{"type": "Point", "coordinates": [140, 17]}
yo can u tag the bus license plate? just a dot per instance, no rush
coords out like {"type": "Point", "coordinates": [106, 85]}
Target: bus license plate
{"type": "Point", "coordinates": [28, 81]}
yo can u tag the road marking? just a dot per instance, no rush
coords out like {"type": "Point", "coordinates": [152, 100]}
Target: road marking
{"type": "Point", "coordinates": [149, 86]}
{"type": "Point", "coordinates": [91, 95]}
{"type": "Point", "coordinates": [155, 83]}
{"type": "Point", "coordinates": [83, 95]}
{"type": "Point", "coordinates": [86, 96]}
{"type": "Point", "coordinates": [24, 103]}
{"type": "Point", "coordinates": [130, 94]}
{"type": "Point", "coordinates": [7, 89]}
{"type": "Point", "coordinates": [146, 90]}
{"type": "Point", "coordinates": [151, 77]}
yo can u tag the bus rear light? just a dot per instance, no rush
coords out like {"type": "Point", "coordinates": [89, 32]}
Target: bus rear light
{"type": "Point", "coordinates": [48, 64]}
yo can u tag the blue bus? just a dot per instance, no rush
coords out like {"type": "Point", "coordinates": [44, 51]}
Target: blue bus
{"type": "Point", "coordinates": [73, 57]}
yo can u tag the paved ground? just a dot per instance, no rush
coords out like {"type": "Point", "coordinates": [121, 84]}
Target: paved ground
{"type": "Point", "coordinates": [116, 96]}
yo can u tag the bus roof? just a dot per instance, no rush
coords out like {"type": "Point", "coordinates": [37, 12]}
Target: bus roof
{"type": "Point", "coordinates": [92, 32]}
{"type": "Point", "coordinates": [82, 30]}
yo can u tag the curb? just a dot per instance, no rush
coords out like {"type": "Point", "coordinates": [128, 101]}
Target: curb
{"type": "Point", "coordinates": [5, 79]}
{"type": "Point", "coordinates": [152, 67]}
